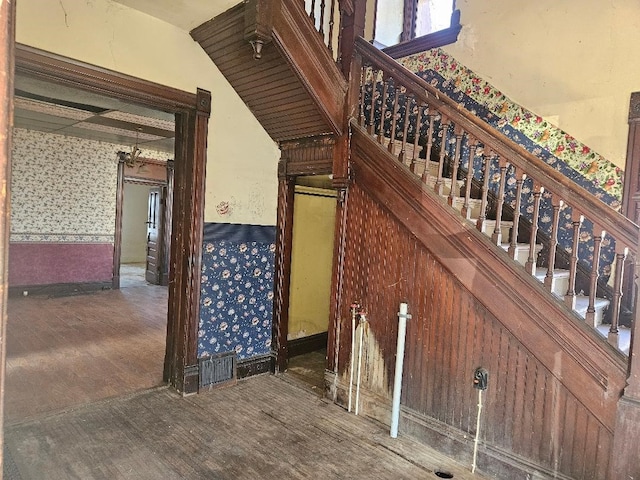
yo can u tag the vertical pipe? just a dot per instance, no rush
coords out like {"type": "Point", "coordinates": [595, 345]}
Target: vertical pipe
{"type": "Point", "coordinates": [477, 439]}
{"type": "Point", "coordinates": [397, 383]}
{"type": "Point", "coordinates": [353, 351]}
{"type": "Point", "coordinates": [362, 325]}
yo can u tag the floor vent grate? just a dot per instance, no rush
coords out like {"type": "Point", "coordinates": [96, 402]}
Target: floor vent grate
{"type": "Point", "coordinates": [218, 370]}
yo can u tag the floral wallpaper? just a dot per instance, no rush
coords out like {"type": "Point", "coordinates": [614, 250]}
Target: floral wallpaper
{"type": "Point", "coordinates": [63, 189]}
{"type": "Point", "coordinates": [544, 139]}
{"type": "Point", "coordinates": [236, 297]}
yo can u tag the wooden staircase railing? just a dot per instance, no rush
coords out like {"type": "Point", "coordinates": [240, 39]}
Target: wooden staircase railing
{"type": "Point", "coordinates": [397, 104]}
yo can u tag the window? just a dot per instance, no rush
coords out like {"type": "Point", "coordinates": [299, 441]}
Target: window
{"type": "Point", "coordinates": [432, 16]}
{"type": "Point", "coordinates": [398, 21]}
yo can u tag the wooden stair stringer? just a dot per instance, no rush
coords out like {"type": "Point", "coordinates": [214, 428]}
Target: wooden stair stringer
{"type": "Point", "coordinates": [542, 323]}
{"type": "Point", "coordinates": [292, 97]}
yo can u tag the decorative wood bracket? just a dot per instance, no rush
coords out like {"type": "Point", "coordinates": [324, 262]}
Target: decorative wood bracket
{"type": "Point", "coordinates": [258, 23]}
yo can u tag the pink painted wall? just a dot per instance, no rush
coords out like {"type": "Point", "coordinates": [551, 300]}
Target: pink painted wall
{"type": "Point", "coordinates": [49, 263]}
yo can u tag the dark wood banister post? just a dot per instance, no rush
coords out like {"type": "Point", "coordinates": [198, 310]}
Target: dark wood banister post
{"type": "Point", "coordinates": [631, 187]}
{"type": "Point", "coordinates": [626, 436]}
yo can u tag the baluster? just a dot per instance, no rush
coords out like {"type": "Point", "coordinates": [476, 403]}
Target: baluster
{"type": "Point", "coordinates": [453, 193]}
{"type": "Point", "coordinates": [392, 133]}
{"type": "Point", "coordinates": [513, 244]}
{"type": "Point", "coordinates": [372, 115]}
{"type": "Point", "coordinates": [312, 13]}
{"type": "Point", "coordinates": [570, 298]}
{"type": "Point", "coordinates": [549, 280]}
{"type": "Point", "coordinates": [404, 130]}
{"type": "Point", "coordinates": [590, 317]}
{"type": "Point", "coordinates": [322, 7]}
{"type": "Point", "coordinates": [530, 266]}
{"type": "Point", "coordinates": [331, 24]}
{"type": "Point", "coordinates": [416, 136]}
{"type": "Point", "coordinates": [486, 168]}
{"type": "Point", "coordinates": [425, 173]}
{"type": "Point", "coordinates": [473, 146]}
{"type": "Point", "coordinates": [621, 255]}
{"type": "Point", "coordinates": [363, 84]}
{"type": "Point", "coordinates": [444, 124]}
{"type": "Point", "coordinates": [383, 111]}
{"type": "Point", "coordinates": [497, 230]}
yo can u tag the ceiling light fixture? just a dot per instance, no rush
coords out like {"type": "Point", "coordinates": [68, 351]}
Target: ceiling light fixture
{"type": "Point", "coordinates": [130, 158]}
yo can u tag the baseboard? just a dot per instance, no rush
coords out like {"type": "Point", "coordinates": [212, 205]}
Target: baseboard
{"type": "Point", "coordinates": [456, 444]}
{"type": "Point", "coordinates": [309, 344]}
{"type": "Point", "coordinates": [59, 289]}
{"type": "Point", "coordinates": [256, 366]}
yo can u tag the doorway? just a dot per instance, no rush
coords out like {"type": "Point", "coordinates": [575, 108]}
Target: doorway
{"type": "Point", "coordinates": [310, 288]}
{"type": "Point", "coordinates": [179, 320]}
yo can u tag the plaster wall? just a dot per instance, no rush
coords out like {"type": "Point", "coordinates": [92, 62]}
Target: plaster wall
{"type": "Point", "coordinates": [311, 261]}
{"type": "Point", "coordinates": [571, 62]}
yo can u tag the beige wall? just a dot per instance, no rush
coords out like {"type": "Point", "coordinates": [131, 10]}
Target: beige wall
{"type": "Point", "coordinates": [311, 261]}
{"type": "Point", "coordinates": [572, 62]}
{"type": "Point", "coordinates": [113, 36]}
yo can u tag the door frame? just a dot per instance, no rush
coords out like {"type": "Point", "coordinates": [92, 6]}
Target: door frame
{"type": "Point", "coordinates": [166, 223]}
{"type": "Point", "coordinates": [192, 113]}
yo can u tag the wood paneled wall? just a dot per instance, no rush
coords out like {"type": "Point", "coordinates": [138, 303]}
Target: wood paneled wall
{"type": "Point", "coordinates": [528, 413]}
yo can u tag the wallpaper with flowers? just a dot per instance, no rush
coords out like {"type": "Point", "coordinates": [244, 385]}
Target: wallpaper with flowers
{"type": "Point", "coordinates": [63, 189]}
{"type": "Point", "coordinates": [236, 297]}
{"type": "Point", "coordinates": [538, 135]}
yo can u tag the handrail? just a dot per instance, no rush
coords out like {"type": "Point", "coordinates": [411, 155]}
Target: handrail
{"type": "Point", "coordinates": [396, 105]}
{"type": "Point", "coordinates": [610, 220]}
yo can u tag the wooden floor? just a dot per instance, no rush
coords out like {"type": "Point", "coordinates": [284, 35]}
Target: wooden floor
{"type": "Point", "coordinates": [68, 351]}
{"type": "Point", "coordinates": [73, 363]}
{"type": "Point", "coordinates": [264, 427]}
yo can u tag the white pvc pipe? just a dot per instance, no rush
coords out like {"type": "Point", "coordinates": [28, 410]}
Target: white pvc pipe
{"type": "Point", "coordinates": [397, 384]}
{"type": "Point", "coordinates": [362, 322]}
{"type": "Point", "coordinates": [353, 352]}
{"type": "Point", "coordinates": [475, 443]}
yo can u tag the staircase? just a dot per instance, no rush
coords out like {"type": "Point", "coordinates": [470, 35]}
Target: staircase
{"type": "Point", "coordinates": [438, 198]}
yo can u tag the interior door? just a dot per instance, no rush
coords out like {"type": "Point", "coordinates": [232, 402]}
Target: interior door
{"type": "Point", "coordinates": [154, 236]}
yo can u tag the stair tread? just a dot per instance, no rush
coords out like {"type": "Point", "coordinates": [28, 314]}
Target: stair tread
{"type": "Point", "coordinates": [541, 273]}
{"type": "Point", "coordinates": [582, 303]}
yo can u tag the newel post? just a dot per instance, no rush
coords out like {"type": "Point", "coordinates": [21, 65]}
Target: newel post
{"type": "Point", "coordinates": [624, 453]}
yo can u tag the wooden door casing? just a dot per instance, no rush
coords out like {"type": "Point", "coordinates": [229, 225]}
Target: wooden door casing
{"type": "Point", "coordinates": [154, 260]}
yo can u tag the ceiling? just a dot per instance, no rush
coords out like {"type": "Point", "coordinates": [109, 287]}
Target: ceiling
{"type": "Point", "coordinates": [184, 14]}
{"type": "Point", "coordinates": [47, 107]}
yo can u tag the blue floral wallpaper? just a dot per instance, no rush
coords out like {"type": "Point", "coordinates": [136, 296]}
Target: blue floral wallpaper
{"type": "Point", "coordinates": [236, 298]}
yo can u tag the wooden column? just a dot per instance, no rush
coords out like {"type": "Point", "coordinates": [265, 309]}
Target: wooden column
{"type": "Point", "coordinates": [7, 41]}
{"type": "Point", "coordinates": [181, 368]}
{"type": "Point", "coordinates": [626, 436]}
{"type": "Point", "coordinates": [117, 238]}
{"type": "Point", "coordinates": [168, 220]}
{"type": "Point", "coordinates": [632, 166]}
{"type": "Point", "coordinates": [282, 280]}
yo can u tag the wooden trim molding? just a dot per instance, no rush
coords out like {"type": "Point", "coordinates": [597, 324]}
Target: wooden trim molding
{"type": "Point", "coordinates": [312, 343]}
{"type": "Point", "coordinates": [43, 65]}
{"type": "Point", "coordinates": [117, 244]}
{"type": "Point", "coordinates": [282, 280]}
{"type": "Point", "coordinates": [192, 114]}
{"type": "Point", "coordinates": [7, 42]}
{"type": "Point", "coordinates": [181, 361]}
{"type": "Point", "coordinates": [424, 43]}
